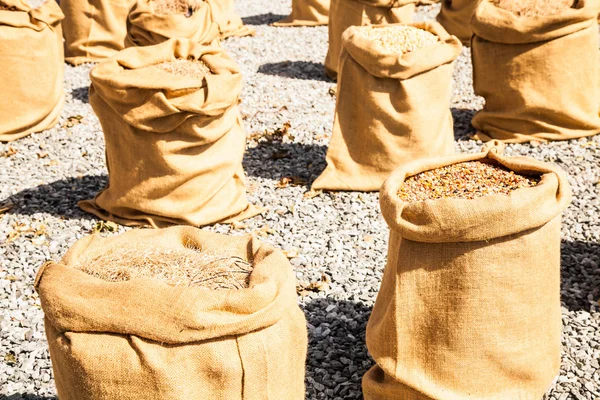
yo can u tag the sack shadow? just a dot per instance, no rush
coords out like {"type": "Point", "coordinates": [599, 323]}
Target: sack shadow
{"type": "Point", "coordinates": [337, 354]}
{"type": "Point", "coordinates": [262, 19]}
{"type": "Point", "coordinates": [82, 94]}
{"type": "Point", "coordinates": [306, 70]}
{"type": "Point", "coordinates": [462, 123]}
{"type": "Point", "coordinates": [580, 274]}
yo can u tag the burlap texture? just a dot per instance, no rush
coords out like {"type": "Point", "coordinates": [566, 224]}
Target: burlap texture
{"type": "Point", "coordinates": [143, 339]}
{"type": "Point", "coordinates": [347, 13]}
{"type": "Point", "coordinates": [539, 76]}
{"type": "Point", "coordinates": [31, 68]}
{"type": "Point", "coordinates": [145, 27]}
{"type": "Point", "coordinates": [469, 305]}
{"type": "Point", "coordinates": [174, 144]}
{"type": "Point", "coordinates": [226, 17]}
{"type": "Point", "coordinates": [307, 13]}
{"type": "Point", "coordinates": [427, 2]}
{"type": "Point", "coordinates": [94, 29]}
{"type": "Point", "coordinates": [390, 109]}
{"type": "Point", "coordinates": [455, 17]}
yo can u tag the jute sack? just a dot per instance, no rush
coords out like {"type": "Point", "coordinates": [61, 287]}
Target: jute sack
{"type": "Point", "coordinates": [307, 13]}
{"type": "Point", "coordinates": [94, 29]}
{"type": "Point", "coordinates": [143, 339]}
{"type": "Point", "coordinates": [455, 16]}
{"type": "Point", "coordinates": [538, 75]}
{"type": "Point", "coordinates": [226, 17]}
{"type": "Point", "coordinates": [390, 109]}
{"type": "Point", "coordinates": [469, 305]}
{"type": "Point", "coordinates": [427, 2]}
{"type": "Point", "coordinates": [147, 27]}
{"type": "Point", "coordinates": [174, 144]}
{"type": "Point", "coordinates": [31, 68]}
{"type": "Point", "coordinates": [347, 13]}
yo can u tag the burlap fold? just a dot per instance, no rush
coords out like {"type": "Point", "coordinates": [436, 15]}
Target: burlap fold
{"type": "Point", "coordinates": [390, 109]}
{"type": "Point", "coordinates": [174, 144]}
{"type": "Point", "coordinates": [143, 339]}
{"type": "Point", "coordinates": [347, 13]}
{"type": "Point", "coordinates": [455, 17]}
{"type": "Point", "coordinates": [146, 27]}
{"type": "Point", "coordinates": [469, 305]}
{"type": "Point", "coordinates": [94, 30]}
{"type": "Point", "coordinates": [32, 65]}
{"type": "Point", "coordinates": [538, 75]}
{"type": "Point", "coordinates": [307, 13]}
{"type": "Point", "coordinates": [226, 17]}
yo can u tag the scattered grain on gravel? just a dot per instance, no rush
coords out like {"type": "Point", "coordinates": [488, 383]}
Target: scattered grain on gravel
{"type": "Point", "coordinates": [535, 8]}
{"type": "Point", "coordinates": [399, 38]}
{"type": "Point", "coordinates": [183, 67]}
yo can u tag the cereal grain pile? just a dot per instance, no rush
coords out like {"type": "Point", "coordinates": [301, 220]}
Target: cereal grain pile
{"type": "Point", "coordinates": [400, 38]}
{"type": "Point", "coordinates": [182, 67]}
{"type": "Point", "coordinates": [535, 8]}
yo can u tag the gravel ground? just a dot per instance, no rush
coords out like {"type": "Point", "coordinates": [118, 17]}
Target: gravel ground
{"type": "Point", "coordinates": [339, 237]}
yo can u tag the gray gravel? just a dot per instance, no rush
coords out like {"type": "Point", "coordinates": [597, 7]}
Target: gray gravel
{"type": "Point", "coordinates": [340, 235]}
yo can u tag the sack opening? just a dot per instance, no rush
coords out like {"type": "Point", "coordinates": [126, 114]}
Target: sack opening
{"type": "Point", "coordinates": [535, 8]}
{"type": "Point", "coordinates": [170, 7]}
{"type": "Point", "coordinates": [185, 67]}
{"type": "Point", "coordinates": [399, 38]}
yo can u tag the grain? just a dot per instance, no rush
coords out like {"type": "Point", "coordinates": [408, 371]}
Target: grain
{"type": "Point", "coordinates": [399, 38]}
{"type": "Point", "coordinates": [169, 7]}
{"type": "Point", "coordinates": [187, 266]}
{"type": "Point", "coordinates": [468, 180]}
{"type": "Point", "coordinates": [183, 67]}
{"type": "Point", "coordinates": [535, 8]}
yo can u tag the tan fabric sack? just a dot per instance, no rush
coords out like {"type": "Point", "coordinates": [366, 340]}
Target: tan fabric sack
{"type": "Point", "coordinates": [145, 340]}
{"type": "Point", "coordinates": [307, 13]}
{"type": "Point", "coordinates": [174, 144]}
{"type": "Point", "coordinates": [347, 13]}
{"type": "Point", "coordinates": [94, 29]}
{"type": "Point", "coordinates": [469, 305]}
{"type": "Point", "coordinates": [226, 17]}
{"type": "Point", "coordinates": [539, 75]}
{"type": "Point", "coordinates": [146, 27]}
{"type": "Point", "coordinates": [31, 68]}
{"type": "Point", "coordinates": [455, 17]}
{"type": "Point", "coordinates": [427, 2]}
{"type": "Point", "coordinates": [390, 109]}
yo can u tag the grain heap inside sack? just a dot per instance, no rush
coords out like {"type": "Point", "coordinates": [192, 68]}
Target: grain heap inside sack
{"type": "Point", "coordinates": [183, 67]}
{"type": "Point", "coordinates": [186, 7]}
{"type": "Point", "coordinates": [535, 8]}
{"type": "Point", "coordinates": [32, 94]}
{"type": "Point", "coordinates": [400, 38]}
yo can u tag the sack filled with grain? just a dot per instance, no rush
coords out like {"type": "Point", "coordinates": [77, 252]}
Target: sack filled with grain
{"type": "Point", "coordinates": [393, 103]}
{"type": "Point", "coordinates": [307, 13]}
{"type": "Point", "coordinates": [174, 136]}
{"type": "Point", "coordinates": [536, 64]}
{"type": "Point", "coordinates": [469, 305]}
{"type": "Point", "coordinates": [94, 29]}
{"type": "Point", "coordinates": [176, 313]}
{"type": "Point", "coordinates": [226, 17]}
{"type": "Point", "coordinates": [455, 17]}
{"type": "Point", "coordinates": [155, 21]}
{"type": "Point", "coordinates": [32, 65]}
{"type": "Point", "coordinates": [347, 13]}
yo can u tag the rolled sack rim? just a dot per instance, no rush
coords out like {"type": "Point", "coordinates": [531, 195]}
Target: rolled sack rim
{"type": "Point", "coordinates": [48, 14]}
{"type": "Point", "coordinates": [480, 219]}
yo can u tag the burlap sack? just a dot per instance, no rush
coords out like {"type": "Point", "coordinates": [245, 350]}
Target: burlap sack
{"type": "Point", "coordinates": [307, 13]}
{"type": "Point", "coordinates": [226, 17]}
{"type": "Point", "coordinates": [539, 76]}
{"type": "Point", "coordinates": [145, 27]}
{"type": "Point", "coordinates": [347, 13]}
{"type": "Point", "coordinates": [31, 68]}
{"type": "Point", "coordinates": [390, 109]}
{"type": "Point", "coordinates": [469, 305]}
{"type": "Point", "coordinates": [94, 29]}
{"type": "Point", "coordinates": [174, 144]}
{"type": "Point", "coordinates": [455, 16]}
{"type": "Point", "coordinates": [427, 2]}
{"type": "Point", "coordinates": [145, 340]}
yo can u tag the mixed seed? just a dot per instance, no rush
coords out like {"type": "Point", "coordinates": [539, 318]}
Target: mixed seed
{"type": "Point", "coordinates": [535, 8]}
{"type": "Point", "coordinates": [467, 180]}
{"type": "Point", "coordinates": [183, 67]}
{"type": "Point", "coordinates": [399, 38]}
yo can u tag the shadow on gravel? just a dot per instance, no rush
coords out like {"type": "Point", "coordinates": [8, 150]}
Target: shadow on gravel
{"type": "Point", "coordinates": [307, 70]}
{"type": "Point", "coordinates": [462, 123]}
{"type": "Point", "coordinates": [262, 19]}
{"type": "Point", "coordinates": [81, 94]}
{"type": "Point", "coordinates": [58, 198]}
{"type": "Point", "coordinates": [580, 274]}
{"type": "Point", "coordinates": [337, 354]}
{"type": "Point", "coordinates": [26, 396]}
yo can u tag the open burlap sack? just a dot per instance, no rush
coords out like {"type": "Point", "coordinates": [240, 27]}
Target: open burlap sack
{"type": "Point", "coordinates": [226, 17]}
{"type": "Point", "coordinates": [147, 27]}
{"type": "Point", "coordinates": [94, 29]}
{"type": "Point", "coordinates": [469, 305]}
{"type": "Point", "coordinates": [347, 13]}
{"type": "Point", "coordinates": [31, 68]}
{"type": "Point", "coordinates": [144, 340]}
{"type": "Point", "coordinates": [174, 144]}
{"type": "Point", "coordinates": [307, 13]}
{"type": "Point", "coordinates": [390, 109]}
{"type": "Point", "coordinates": [455, 16]}
{"type": "Point", "coordinates": [539, 75]}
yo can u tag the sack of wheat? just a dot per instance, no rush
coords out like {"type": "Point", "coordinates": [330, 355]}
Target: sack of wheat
{"type": "Point", "coordinates": [347, 13]}
{"type": "Point", "coordinates": [393, 103]}
{"type": "Point", "coordinates": [175, 313]}
{"type": "Point", "coordinates": [455, 17]}
{"type": "Point", "coordinates": [174, 136]}
{"type": "Point", "coordinates": [471, 238]}
{"type": "Point", "coordinates": [536, 64]}
{"type": "Point", "coordinates": [32, 65]}
{"type": "Point", "coordinates": [227, 19]}
{"type": "Point", "coordinates": [307, 13]}
{"type": "Point", "coordinates": [94, 29]}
